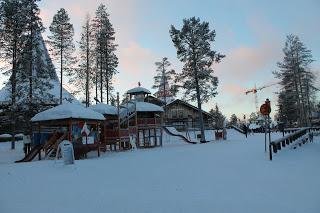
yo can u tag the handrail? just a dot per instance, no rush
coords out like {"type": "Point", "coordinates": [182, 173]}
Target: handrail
{"type": "Point", "coordinates": [276, 145]}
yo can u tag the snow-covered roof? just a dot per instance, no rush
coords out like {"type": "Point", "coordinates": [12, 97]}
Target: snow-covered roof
{"type": "Point", "coordinates": [172, 101]}
{"type": "Point", "coordinates": [104, 109]}
{"type": "Point", "coordinates": [140, 107]}
{"type": "Point", "coordinates": [66, 111]}
{"type": "Point", "coordinates": [254, 126]}
{"type": "Point", "coordinates": [138, 90]}
{"type": "Point", "coordinates": [5, 136]}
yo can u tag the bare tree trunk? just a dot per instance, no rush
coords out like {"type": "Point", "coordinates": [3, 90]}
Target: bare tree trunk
{"type": "Point", "coordinates": [164, 91]}
{"type": "Point", "coordinates": [31, 78]}
{"type": "Point", "coordinates": [13, 91]}
{"type": "Point", "coordinates": [101, 79]}
{"type": "Point", "coordinates": [87, 68]}
{"type": "Point", "coordinates": [61, 71]}
{"type": "Point", "coordinates": [97, 81]}
{"type": "Point", "coordinates": [30, 68]}
{"type": "Point", "coordinates": [203, 138]}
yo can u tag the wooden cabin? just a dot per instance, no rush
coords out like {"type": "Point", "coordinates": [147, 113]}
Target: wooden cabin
{"type": "Point", "coordinates": [183, 116]}
{"type": "Point", "coordinates": [67, 122]}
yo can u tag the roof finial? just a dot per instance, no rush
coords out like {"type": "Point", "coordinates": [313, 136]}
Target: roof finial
{"type": "Point", "coordinates": [139, 84]}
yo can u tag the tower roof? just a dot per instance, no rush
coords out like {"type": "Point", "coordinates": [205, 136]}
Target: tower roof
{"type": "Point", "coordinates": [138, 90]}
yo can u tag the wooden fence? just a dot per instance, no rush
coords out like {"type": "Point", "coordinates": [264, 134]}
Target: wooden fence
{"type": "Point", "coordinates": [298, 137]}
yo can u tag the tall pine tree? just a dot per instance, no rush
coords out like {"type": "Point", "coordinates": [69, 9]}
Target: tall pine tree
{"type": "Point", "coordinates": [105, 48]}
{"type": "Point", "coordinates": [297, 81]}
{"type": "Point", "coordinates": [84, 72]}
{"type": "Point", "coordinates": [12, 32]}
{"type": "Point", "coordinates": [61, 41]}
{"type": "Point", "coordinates": [165, 78]}
{"type": "Point", "coordinates": [193, 44]}
{"type": "Point", "coordinates": [218, 117]}
{"type": "Point", "coordinates": [34, 28]}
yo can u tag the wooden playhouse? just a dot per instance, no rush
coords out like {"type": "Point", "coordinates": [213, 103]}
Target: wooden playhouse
{"type": "Point", "coordinates": [71, 122]}
{"type": "Point", "coordinates": [143, 119]}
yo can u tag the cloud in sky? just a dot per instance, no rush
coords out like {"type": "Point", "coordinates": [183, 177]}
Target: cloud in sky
{"type": "Point", "coordinates": [136, 64]}
{"type": "Point", "coordinates": [250, 34]}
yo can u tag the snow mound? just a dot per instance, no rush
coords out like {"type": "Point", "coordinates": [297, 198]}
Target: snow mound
{"type": "Point", "coordinates": [66, 111]}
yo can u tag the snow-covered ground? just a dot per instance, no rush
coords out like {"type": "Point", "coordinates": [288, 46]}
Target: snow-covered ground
{"type": "Point", "coordinates": [223, 177]}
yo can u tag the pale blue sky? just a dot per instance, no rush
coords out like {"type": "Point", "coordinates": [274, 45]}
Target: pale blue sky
{"type": "Point", "coordinates": [250, 33]}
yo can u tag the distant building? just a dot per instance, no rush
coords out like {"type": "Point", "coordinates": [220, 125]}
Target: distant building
{"type": "Point", "coordinates": [179, 113]}
{"type": "Point", "coordinates": [183, 116]}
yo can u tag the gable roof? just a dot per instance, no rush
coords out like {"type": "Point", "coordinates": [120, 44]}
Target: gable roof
{"type": "Point", "coordinates": [188, 105]}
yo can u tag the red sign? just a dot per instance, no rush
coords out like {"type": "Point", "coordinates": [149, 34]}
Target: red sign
{"type": "Point", "coordinates": [265, 108]}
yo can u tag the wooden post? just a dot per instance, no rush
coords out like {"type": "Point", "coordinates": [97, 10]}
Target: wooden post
{"type": "Point", "coordinates": [161, 137]}
{"type": "Point", "coordinates": [149, 136]}
{"type": "Point", "coordinates": [98, 138]}
{"type": "Point", "coordinates": [70, 129]}
{"type": "Point", "coordinates": [137, 129]}
{"type": "Point", "coordinates": [144, 138]}
{"type": "Point", "coordinates": [155, 137]}
{"type": "Point", "coordinates": [270, 152]}
{"type": "Point", "coordinates": [137, 140]}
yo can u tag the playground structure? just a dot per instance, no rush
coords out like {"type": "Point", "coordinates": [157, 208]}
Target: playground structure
{"type": "Point", "coordinates": [65, 122]}
{"type": "Point", "coordinates": [143, 120]}
{"type": "Point", "coordinates": [135, 119]}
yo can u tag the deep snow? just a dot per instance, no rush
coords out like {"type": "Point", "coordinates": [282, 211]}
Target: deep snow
{"type": "Point", "coordinates": [223, 177]}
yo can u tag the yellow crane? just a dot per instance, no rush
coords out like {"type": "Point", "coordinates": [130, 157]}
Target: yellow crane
{"type": "Point", "coordinates": [255, 90]}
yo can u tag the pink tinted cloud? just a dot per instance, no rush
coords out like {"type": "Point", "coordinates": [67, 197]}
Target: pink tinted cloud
{"type": "Point", "coordinates": [136, 65]}
{"type": "Point", "coordinates": [245, 62]}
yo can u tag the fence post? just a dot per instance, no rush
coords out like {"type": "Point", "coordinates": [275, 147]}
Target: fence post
{"type": "Point", "coordinates": [270, 152]}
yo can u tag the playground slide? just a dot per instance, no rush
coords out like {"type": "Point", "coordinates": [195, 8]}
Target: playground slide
{"type": "Point", "coordinates": [32, 154]}
{"type": "Point", "coordinates": [238, 129]}
{"type": "Point", "coordinates": [173, 132]}
{"type": "Point", "coordinates": [48, 145]}
{"type": "Point", "coordinates": [54, 143]}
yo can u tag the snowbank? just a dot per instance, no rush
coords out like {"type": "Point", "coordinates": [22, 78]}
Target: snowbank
{"type": "Point", "coordinates": [66, 111]}
{"type": "Point", "coordinates": [233, 176]}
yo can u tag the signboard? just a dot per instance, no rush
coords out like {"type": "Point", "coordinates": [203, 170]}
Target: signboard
{"type": "Point", "coordinates": [85, 130]}
{"type": "Point", "coordinates": [265, 108]}
{"type": "Point", "coordinates": [88, 140]}
{"type": "Point", "coordinates": [67, 152]}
